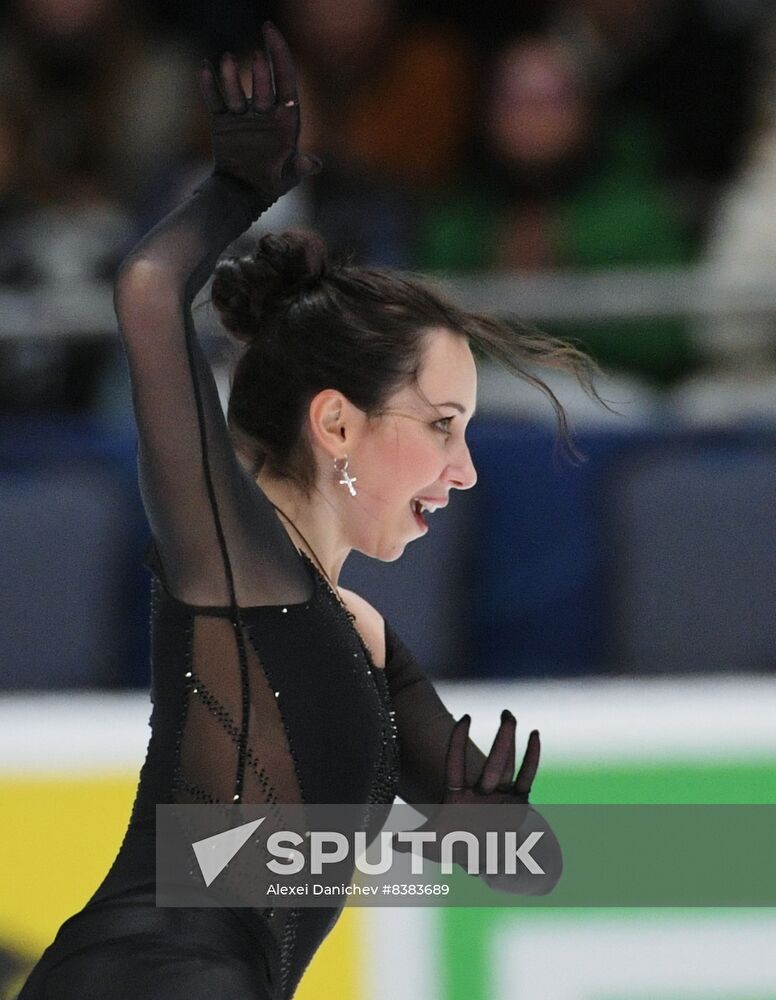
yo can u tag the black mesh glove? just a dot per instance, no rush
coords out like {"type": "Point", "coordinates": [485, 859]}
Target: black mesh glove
{"type": "Point", "coordinates": [497, 782]}
{"type": "Point", "coordinates": [255, 138]}
{"type": "Point", "coordinates": [496, 785]}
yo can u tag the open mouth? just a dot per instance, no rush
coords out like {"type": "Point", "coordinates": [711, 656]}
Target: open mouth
{"type": "Point", "coordinates": [417, 509]}
{"type": "Point", "coordinates": [420, 510]}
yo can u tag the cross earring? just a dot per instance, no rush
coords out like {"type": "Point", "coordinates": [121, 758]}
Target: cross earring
{"type": "Point", "coordinates": [347, 479]}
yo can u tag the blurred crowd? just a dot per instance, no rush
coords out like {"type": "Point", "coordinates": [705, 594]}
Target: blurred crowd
{"type": "Point", "coordinates": [561, 134]}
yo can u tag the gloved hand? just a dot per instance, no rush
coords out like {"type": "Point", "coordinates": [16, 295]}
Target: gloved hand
{"type": "Point", "coordinates": [495, 786]}
{"type": "Point", "coordinates": [497, 783]}
{"type": "Point", "coordinates": [255, 138]}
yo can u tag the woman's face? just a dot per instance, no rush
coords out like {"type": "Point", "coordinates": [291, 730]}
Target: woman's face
{"type": "Point", "coordinates": [414, 450]}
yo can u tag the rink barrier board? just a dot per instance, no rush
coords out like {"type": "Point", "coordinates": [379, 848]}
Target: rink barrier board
{"type": "Point", "coordinates": [68, 781]}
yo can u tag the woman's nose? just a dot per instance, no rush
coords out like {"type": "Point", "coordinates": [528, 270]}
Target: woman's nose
{"type": "Point", "coordinates": [463, 475]}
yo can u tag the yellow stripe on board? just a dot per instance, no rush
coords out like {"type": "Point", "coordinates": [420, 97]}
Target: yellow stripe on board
{"type": "Point", "coordinates": [335, 971]}
{"type": "Point", "coordinates": [58, 838]}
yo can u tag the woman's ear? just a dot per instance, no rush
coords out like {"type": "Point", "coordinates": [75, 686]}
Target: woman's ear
{"type": "Point", "coordinates": [334, 422]}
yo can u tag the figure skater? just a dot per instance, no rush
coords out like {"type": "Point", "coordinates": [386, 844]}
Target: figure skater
{"type": "Point", "coordinates": [271, 683]}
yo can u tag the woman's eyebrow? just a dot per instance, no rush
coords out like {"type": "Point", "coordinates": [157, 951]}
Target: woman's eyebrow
{"type": "Point", "coordinates": [457, 406]}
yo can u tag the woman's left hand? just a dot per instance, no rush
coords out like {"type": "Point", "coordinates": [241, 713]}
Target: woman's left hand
{"type": "Point", "coordinates": [497, 783]}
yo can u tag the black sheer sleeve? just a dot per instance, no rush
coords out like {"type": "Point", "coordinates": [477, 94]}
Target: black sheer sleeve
{"type": "Point", "coordinates": [424, 727]}
{"type": "Point", "coordinates": [219, 539]}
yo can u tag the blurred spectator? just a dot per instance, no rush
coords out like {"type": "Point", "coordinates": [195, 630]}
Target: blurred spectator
{"type": "Point", "coordinates": [95, 117]}
{"type": "Point", "coordinates": [383, 94]}
{"type": "Point", "coordinates": [686, 64]}
{"type": "Point", "coordinates": [104, 107]}
{"type": "Point", "coordinates": [387, 107]}
{"type": "Point", "coordinates": [741, 252]}
{"type": "Point", "coordinates": [560, 184]}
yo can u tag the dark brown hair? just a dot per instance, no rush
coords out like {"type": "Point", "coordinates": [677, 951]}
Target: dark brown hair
{"type": "Point", "coordinates": [312, 324]}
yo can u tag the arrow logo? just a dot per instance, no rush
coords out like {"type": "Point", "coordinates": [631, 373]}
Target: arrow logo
{"type": "Point", "coordinates": [214, 853]}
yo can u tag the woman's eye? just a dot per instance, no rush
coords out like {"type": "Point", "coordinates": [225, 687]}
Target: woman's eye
{"type": "Point", "coordinates": [443, 425]}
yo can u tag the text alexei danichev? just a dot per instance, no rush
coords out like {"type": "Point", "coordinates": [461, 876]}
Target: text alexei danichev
{"type": "Point", "coordinates": [276, 889]}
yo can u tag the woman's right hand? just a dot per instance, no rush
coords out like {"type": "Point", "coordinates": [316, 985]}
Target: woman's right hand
{"type": "Point", "coordinates": [255, 138]}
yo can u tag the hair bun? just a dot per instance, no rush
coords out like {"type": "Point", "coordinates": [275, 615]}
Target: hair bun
{"type": "Point", "coordinates": [247, 289]}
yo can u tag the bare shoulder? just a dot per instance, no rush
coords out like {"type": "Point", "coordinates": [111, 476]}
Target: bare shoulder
{"type": "Point", "coordinates": [369, 623]}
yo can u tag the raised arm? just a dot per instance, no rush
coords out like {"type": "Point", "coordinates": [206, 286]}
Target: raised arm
{"type": "Point", "coordinates": [219, 539]}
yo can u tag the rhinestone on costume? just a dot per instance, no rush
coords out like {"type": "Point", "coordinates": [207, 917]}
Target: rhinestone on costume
{"type": "Point", "coordinates": [195, 690]}
{"type": "Point", "coordinates": [285, 611]}
{"type": "Point", "coordinates": [236, 797]}
{"type": "Point", "coordinates": [277, 694]}
{"type": "Point", "coordinates": [188, 673]}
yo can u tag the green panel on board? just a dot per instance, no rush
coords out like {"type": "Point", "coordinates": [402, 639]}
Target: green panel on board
{"type": "Point", "coordinates": [465, 933]}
